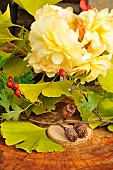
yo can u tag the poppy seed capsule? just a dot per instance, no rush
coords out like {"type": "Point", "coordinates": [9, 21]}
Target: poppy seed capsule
{"type": "Point", "coordinates": [70, 133]}
{"type": "Point", "coordinates": [81, 129]}
{"type": "Point", "coordinates": [68, 111]}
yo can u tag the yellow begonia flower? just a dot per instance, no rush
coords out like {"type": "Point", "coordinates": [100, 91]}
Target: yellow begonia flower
{"type": "Point", "coordinates": [54, 46]}
{"type": "Point", "coordinates": [66, 14]}
{"type": "Point", "coordinates": [98, 29]}
{"type": "Point", "coordinates": [97, 66]}
{"type": "Point", "coordinates": [78, 44]}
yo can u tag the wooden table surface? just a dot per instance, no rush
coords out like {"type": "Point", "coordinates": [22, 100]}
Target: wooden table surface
{"type": "Point", "coordinates": [96, 154]}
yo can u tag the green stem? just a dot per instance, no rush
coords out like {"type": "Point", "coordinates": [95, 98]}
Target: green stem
{"type": "Point", "coordinates": [18, 48]}
{"type": "Point", "coordinates": [3, 79]}
{"type": "Point", "coordinates": [55, 77]}
{"type": "Point", "coordinates": [96, 112]}
{"type": "Point", "coordinates": [27, 107]}
{"type": "Point", "coordinates": [21, 27]}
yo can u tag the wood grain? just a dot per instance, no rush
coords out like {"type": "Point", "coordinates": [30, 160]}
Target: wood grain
{"type": "Point", "coordinates": [95, 154]}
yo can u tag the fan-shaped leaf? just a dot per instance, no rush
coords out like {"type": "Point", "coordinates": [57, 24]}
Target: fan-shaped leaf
{"type": "Point", "coordinates": [49, 102]}
{"type": "Point", "coordinates": [15, 67]}
{"type": "Point", "coordinates": [48, 89]}
{"type": "Point", "coordinates": [3, 57]}
{"type": "Point", "coordinates": [38, 110]}
{"type": "Point", "coordinates": [107, 81]}
{"type": "Point", "coordinates": [110, 127]}
{"type": "Point", "coordinates": [5, 19]}
{"type": "Point", "coordinates": [32, 5]}
{"type": "Point", "coordinates": [32, 91]}
{"type": "Point", "coordinates": [56, 89]}
{"type": "Point", "coordinates": [28, 136]}
{"type": "Point", "coordinates": [6, 36]}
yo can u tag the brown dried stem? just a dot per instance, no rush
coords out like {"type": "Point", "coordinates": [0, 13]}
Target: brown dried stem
{"type": "Point", "coordinates": [67, 121]}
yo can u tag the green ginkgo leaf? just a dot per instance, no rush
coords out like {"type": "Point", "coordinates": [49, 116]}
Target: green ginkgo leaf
{"type": "Point", "coordinates": [5, 19]}
{"type": "Point", "coordinates": [48, 89]}
{"type": "Point", "coordinates": [110, 127]}
{"type": "Point", "coordinates": [49, 102]}
{"type": "Point", "coordinates": [28, 136]}
{"type": "Point", "coordinates": [37, 109]}
{"type": "Point", "coordinates": [5, 22]}
{"type": "Point", "coordinates": [6, 36]}
{"type": "Point", "coordinates": [31, 6]}
{"type": "Point", "coordinates": [2, 61]}
{"type": "Point", "coordinates": [32, 91]}
{"type": "Point", "coordinates": [15, 67]}
{"type": "Point", "coordinates": [56, 89]}
{"type": "Point", "coordinates": [3, 57]}
{"type": "Point", "coordinates": [107, 81]}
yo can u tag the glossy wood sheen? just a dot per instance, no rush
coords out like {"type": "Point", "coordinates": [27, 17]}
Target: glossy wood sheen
{"type": "Point", "coordinates": [96, 154]}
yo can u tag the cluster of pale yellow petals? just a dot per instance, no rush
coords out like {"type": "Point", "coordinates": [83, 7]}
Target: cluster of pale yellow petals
{"type": "Point", "coordinates": [66, 14]}
{"type": "Point", "coordinates": [97, 28]}
{"type": "Point", "coordinates": [77, 43]}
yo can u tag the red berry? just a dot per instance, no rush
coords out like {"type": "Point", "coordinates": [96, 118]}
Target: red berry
{"type": "Point", "coordinates": [9, 84]}
{"type": "Point", "coordinates": [62, 72]}
{"type": "Point", "coordinates": [89, 7]}
{"type": "Point", "coordinates": [10, 78]}
{"type": "Point", "coordinates": [15, 85]}
{"type": "Point", "coordinates": [17, 93]}
{"type": "Point", "coordinates": [83, 5]}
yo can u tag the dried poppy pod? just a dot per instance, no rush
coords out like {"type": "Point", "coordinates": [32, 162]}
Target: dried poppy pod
{"type": "Point", "coordinates": [68, 111]}
{"type": "Point", "coordinates": [70, 133]}
{"type": "Point", "coordinates": [81, 129]}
